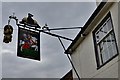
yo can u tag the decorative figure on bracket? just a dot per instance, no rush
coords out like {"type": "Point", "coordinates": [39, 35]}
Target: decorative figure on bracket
{"type": "Point", "coordinates": [8, 30]}
{"type": "Point", "coordinates": [30, 21]}
{"type": "Point", "coordinates": [45, 27]}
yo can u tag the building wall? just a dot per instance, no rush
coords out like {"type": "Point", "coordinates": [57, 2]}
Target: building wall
{"type": "Point", "coordinates": [119, 38]}
{"type": "Point", "coordinates": [84, 56]}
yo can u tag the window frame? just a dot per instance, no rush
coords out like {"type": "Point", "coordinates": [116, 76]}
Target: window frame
{"type": "Point", "coordinates": [97, 54]}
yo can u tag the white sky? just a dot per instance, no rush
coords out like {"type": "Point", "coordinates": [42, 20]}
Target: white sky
{"type": "Point", "coordinates": [54, 63]}
{"type": "Point", "coordinates": [49, 0]}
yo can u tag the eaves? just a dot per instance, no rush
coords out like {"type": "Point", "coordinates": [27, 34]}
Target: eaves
{"type": "Point", "coordinates": [103, 6]}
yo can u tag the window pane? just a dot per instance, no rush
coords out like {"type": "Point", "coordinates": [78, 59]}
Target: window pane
{"type": "Point", "coordinates": [99, 55]}
{"type": "Point", "coordinates": [109, 24]}
{"type": "Point", "coordinates": [105, 55]}
{"type": "Point", "coordinates": [105, 28]}
{"type": "Point", "coordinates": [114, 48]}
{"type": "Point", "coordinates": [104, 52]}
{"type": "Point", "coordinates": [100, 34]}
{"type": "Point", "coordinates": [108, 40]}
{"type": "Point", "coordinates": [107, 47]}
{"type": "Point", "coordinates": [110, 50]}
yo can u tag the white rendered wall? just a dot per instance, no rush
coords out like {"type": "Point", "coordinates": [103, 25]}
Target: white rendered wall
{"type": "Point", "coordinates": [84, 56]}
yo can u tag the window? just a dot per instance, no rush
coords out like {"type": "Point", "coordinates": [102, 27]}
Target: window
{"type": "Point", "coordinates": [105, 42]}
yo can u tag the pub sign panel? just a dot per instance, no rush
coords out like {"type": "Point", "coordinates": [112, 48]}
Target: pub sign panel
{"type": "Point", "coordinates": [28, 44]}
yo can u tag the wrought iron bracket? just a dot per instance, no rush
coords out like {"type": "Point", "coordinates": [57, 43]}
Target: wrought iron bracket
{"type": "Point", "coordinates": [45, 29]}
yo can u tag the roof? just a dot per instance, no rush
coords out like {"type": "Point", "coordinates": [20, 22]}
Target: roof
{"type": "Point", "coordinates": [81, 33]}
{"type": "Point", "coordinates": [68, 76]}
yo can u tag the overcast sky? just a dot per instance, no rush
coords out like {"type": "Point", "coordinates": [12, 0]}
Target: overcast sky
{"type": "Point", "coordinates": [49, 0]}
{"type": "Point", "coordinates": [54, 63]}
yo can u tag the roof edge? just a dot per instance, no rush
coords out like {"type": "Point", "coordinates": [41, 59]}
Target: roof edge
{"type": "Point", "coordinates": [92, 17]}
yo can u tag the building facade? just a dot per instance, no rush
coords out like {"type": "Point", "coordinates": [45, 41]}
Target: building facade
{"type": "Point", "coordinates": [95, 50]}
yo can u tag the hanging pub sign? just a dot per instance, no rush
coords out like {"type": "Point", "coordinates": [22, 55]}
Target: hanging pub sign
{"type": "Point", "coordinates": [28, 44]}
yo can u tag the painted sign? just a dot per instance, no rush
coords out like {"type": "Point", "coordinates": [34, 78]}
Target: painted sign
{"type": "Point", "coordinates": [28, 44]}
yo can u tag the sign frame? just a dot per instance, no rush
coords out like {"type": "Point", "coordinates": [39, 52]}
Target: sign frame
{"type": "Point", "coordinates": [26, 47]}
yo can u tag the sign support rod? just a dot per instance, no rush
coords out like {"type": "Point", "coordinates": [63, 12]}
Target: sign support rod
{"type": "Point", "coordinates": [64, 28]}
{"type": "Point", "coordinates": [57, 35]}
{"type": "Point", "coordinates": [69, 58]}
